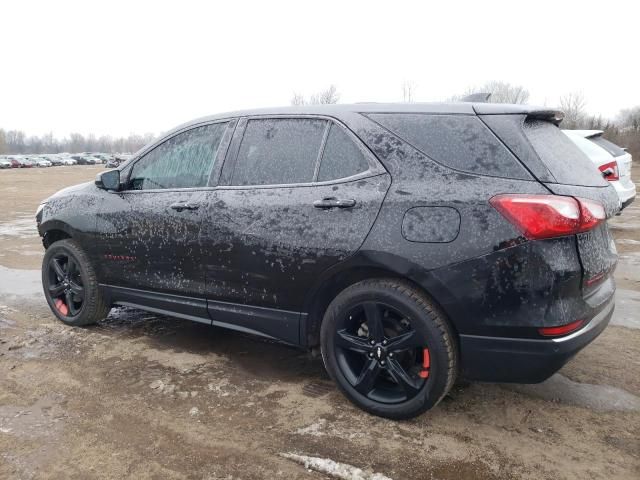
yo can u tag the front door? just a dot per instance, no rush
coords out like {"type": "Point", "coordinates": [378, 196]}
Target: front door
{"type": "Point", "coordinates": [151, 229]}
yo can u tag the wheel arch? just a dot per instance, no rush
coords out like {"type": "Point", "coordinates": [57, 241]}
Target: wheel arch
{"type": "Point", "coordinates": [53, 231]}
{"type": "Point", "coordinates": [366, 266]}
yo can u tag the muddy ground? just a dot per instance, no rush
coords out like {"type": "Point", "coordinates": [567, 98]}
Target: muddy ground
{"type": "Point", "coordinates": [148, 397]}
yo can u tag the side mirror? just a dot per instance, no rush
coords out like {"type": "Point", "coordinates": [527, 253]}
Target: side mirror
{"type": "Point", "coordinates": [109, 180]}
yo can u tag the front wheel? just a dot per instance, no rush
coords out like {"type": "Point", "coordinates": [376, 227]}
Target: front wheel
{"type": "Point", "coordinates": [389, 348]}
{"type": "Point", "coordinates": [70, 285]}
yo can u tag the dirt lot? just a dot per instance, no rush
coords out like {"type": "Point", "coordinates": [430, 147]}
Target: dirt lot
{"type": "Point", "coordinates": [143, 396]}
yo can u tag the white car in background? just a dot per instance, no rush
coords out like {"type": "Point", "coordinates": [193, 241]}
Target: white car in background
{"type": "Point", "coordinates": [613, 161]}
{"type": "Point", "coordinates": [42, 162]}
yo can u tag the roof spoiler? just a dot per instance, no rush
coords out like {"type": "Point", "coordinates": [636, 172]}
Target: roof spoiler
{"type": "Point", "coordinates": [553, 116]}
{"type": "Point", "coordinates": [540, 113]}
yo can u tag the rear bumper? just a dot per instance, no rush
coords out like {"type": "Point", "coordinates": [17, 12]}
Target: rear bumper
{"type": "Point", "coordinates": [519, 360]}
{"type": "Point", "coordinates": [625, 189]}
{"type": "Point", "coordinates": [628, 202]}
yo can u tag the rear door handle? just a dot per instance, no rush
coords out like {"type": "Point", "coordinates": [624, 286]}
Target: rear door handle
{"type": "Point", "coordinates": [180, 206]}
{"type": "Point", "coordinates": [333, 202]}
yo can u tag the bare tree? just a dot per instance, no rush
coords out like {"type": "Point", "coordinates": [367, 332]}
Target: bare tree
{"type": "Point", "coordinates": [629, 119]}
{"type": "Point", "coordinates": [3, 141]}
{"type": "Point", "coordinates": [573, 105]}
{"type": "Point", "coordinates": [327, 96]}
{"type": "Point", "coordinates": [501, 92]}
{"type": "Point", "coordinates": [408, 89]}
{"type": "Point", "coordinates": [297, 99]}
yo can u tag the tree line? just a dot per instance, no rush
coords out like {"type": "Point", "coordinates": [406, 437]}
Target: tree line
{"type": "Point", "coordinates": [17, 142]}
{"type": "Point", "coordinates": [623, 129]}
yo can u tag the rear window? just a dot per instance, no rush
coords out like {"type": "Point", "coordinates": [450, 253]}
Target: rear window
{"type": "Point", "coordinates": [610, 147]}
{"type": "Point", "coordinates": [566, 162]}
{"type": "Point", "coordinates": [341, 158]}
{"type": "Point", "coordinates": [461, 142]}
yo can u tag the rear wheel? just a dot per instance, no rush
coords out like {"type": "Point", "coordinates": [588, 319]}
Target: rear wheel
{"type": "Point", "coordinates": [70, 285]}
{"type": "Point", "coordinates": [389, 348]}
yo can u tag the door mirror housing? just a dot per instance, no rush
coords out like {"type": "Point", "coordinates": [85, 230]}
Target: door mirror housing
{"type": "Point", "coordinates": [109, 180]}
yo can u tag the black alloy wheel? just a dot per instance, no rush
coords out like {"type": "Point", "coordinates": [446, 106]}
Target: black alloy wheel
{"type": "Point", "coordinates": [65, 285]}
{"type": "Point", "coordinates": [389, 348]}
{"type": "Point", "coordinates": [381, 354]}
{"type": "Point", "coordinates": [70, 285]}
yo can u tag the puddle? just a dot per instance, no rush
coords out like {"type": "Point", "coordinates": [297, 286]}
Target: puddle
{"type": "Point", "coordinates": [627, 312]}
{"type": "Point", "coordinates": [22, 227]}
{"type": "Point", "coordinates": [20, 283]}
{"type": "Point", "coordinates": [38, 420]}
{"type": "Point", "coordinates": [4, 323]}
{"type": "Point", "coordinates": [596, 397]}
{"type": "Point", "coordinates": [627, 241]}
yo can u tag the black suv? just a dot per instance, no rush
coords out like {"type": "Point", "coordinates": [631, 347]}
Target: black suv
{"type": "Point", "coordinates": [412, 243]}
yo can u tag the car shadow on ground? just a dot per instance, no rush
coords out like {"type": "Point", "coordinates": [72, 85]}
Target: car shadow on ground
{"type": "Point", "coordinates": [261, 356]}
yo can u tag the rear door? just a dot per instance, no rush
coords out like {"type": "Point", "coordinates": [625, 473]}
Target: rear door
{"type": "Point", "coordinates": [297, 195]}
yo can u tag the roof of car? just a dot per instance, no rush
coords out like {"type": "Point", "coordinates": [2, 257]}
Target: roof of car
{"type": "Point", "coordinates": [337, 110]}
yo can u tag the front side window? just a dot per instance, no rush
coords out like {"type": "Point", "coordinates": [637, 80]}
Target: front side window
{"type": "Point", "coordinates": [341, 157]}
{"type": "Point", "coordinates": [279, 151]}
{"type": "Point", "coordinates": [183, 161]}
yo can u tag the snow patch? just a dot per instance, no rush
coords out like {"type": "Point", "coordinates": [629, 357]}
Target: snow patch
{"type": "Point", "coordinates": [315, 429]}
{"type": "Point", "coordinates": [343, 471]}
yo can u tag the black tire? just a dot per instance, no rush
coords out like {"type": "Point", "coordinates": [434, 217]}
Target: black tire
{"type": "Point", "coordinates": [398, 394]}
{"type": "Point", "coordinates": [92, 308]}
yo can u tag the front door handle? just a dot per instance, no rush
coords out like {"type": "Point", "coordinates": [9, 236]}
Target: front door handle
{"type": "Point", "coordinates": [180, 206]}
{"type": "Point", "coordinates": [333, 202]}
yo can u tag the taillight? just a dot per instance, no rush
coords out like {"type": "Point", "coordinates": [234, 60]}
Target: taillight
{"type": "Point", "coordinates": [610, 171]}
{"type": "Point", "coordinates": [591, 214]}
{"type": "Point", "coordinates": [561, 330]}
{"type": "Point", "coordinates": [548, 216]}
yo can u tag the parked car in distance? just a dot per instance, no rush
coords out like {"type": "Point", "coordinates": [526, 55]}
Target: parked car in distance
{"type": "Point", "coordinates": [14, 162]}
{"type": "Point", "coordinates": [26, 162]}
{"type": "Point", "coordinates": [42, 162]}
{"type": "Point", "coordinates": [613, 161]}
{"type": "Point", "coordinates": [5, 163]}
{"type": "Point", "coordinates": [410, 254]}
{"type": "Point", "coordinates": [117, 160]}
{"type": "Point", "coordinates": [55, 160]}
{"type": "Point", "coordinates": [83, 160]}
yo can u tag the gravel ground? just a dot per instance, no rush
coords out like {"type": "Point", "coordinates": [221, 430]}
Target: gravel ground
{"type": "Point", "coordinates": [144, 396]}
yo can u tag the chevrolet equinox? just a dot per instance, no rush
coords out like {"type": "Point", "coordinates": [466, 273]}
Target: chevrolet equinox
{"type": "Point", "coordinates": [414, 244]}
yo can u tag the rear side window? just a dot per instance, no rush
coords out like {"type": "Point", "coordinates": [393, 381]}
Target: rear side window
{"type": "Point", "coordinates": [461, 142]}
{"type": "Point", "coordinates": [610, 147]}
{"type": "Point", "coordinates": [183, 161]}
{"type": "Point", "coordinates": [341, 157]}
{"type": "Point", "coordinates": [566, 162]}
{"type": "Point", "coordinates": [279, 151]}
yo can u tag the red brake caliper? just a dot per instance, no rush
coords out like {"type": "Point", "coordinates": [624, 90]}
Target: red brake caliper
{"type": "Point", "coordinates": [426, 363]}
{"type": "Point", "coordinates": [62, 308]}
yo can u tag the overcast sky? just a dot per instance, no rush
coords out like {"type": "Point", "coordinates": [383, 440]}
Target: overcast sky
{"type": "Point", "coordinates": [116, 67]}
